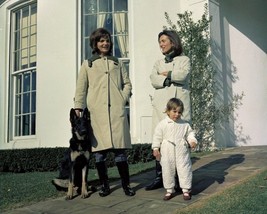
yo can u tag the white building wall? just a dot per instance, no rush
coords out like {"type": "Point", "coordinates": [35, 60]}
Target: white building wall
{"type": "Point", "coordinates": [57, 68]}
{"type": "Point", "coordinates": [3, 76]}
{"type": "Point", "coordinates": [58, 50]}
{"type": "Point", "coordinates": [146, 22]}
{"type": "Point", "coordinates": [239, 33]}
{"type": "Point", "coordinates": [252, 116]}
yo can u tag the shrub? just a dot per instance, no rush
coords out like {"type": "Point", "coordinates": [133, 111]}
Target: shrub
{"type": "Point", "coordinates": [48, 159]}
{"type": "Point", "coordinates": [207, 114]}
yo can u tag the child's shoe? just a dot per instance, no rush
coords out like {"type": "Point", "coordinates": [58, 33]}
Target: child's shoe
{"type": "Point", "coordinates": [168, 196]}
{"type": "Point", "coordinates": [186, 196]}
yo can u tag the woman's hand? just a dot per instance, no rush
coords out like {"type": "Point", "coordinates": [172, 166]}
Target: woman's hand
{"type": "Point", "coordinates": [156, 154]}
{"type": "Point", "coordinates": [78, 112]}
{"type": "Point", "coordinates": [164, 73]}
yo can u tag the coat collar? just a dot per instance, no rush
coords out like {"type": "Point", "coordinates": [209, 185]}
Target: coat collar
{"type": "Point", "coordinates": [96, 57]}
{"type": "Point", "coordinates": [171, 121]}
{"type": "Point", "coordinates": [169, 57]}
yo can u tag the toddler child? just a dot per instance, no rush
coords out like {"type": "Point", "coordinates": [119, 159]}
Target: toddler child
{"type": "Point", "coordinates": [172, 140]}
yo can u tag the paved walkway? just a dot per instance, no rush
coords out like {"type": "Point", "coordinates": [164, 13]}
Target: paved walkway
{"type": "Point", "coordinates": [211, 174]}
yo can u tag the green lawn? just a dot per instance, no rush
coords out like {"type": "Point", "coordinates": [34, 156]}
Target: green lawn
{"type": "Point", "coordinates": [20, 189]}
{"type": "Point", "coordinates": [247, 197]}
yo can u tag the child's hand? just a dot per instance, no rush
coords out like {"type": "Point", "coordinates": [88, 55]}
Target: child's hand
{"type": "Point", "coordinates": [192, 144]}
{"type": "Point", "coordinates": [156, 154]}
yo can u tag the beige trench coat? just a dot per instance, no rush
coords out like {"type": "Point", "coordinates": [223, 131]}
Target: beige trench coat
{"type": "Point", "coordinates": [105, 85]}
{"type": "Point", "coordinates": [180, 67]}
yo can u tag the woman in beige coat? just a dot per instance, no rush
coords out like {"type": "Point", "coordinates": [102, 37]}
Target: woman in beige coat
{"type": "Point", "coordinates": [104, 87]}
{"type": "Point", "coordinates": [169, 78]}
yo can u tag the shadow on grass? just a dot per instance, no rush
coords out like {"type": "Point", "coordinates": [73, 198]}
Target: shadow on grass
{"type": "Point", "coordinates": [214, 171]}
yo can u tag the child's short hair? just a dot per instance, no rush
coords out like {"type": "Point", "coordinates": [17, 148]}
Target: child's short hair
{"type": "Point", "coordinates": [173, 103]}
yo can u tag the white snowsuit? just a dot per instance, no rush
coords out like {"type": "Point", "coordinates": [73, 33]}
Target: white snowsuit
{"type": "Point", "coordinates": [172, 138]}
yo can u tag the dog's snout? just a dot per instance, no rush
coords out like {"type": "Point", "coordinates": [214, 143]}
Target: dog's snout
{"type": "Point", "coordinates": [83, 131]}
{"type": "Point", "coordinates": [82, 127]}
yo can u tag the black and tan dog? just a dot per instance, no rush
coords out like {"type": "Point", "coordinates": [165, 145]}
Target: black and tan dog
{"type": "Point", "coordinates": [79, 152]}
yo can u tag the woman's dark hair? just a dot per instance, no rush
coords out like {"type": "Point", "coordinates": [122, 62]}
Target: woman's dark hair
{"type": "Point", "coordinates": [173, 103]}
{"type": "Point", "coordinates": [175, 40]}
{"type": "Point", "coordinates": [95, 38]}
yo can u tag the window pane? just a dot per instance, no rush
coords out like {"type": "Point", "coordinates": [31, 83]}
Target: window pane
{"type": "Point", "coordinates": [87, 53]}
{"type": "Point", "coordinates": [33, 35]}
{"type": "Point", "coordinates": [108, 24]}
{"type": "Point", "coordinates": [105, 5]}
{"type": "Point", "coordinates": [33, 124]}
{"type": "Point", "coordinates": [116, 48]}
{"type": "Point", "coordinates": [18, 104]}
{"type": "Point", "coordinates": [91, 24]}
{"type": "Point", "coordinates": [121, 5]}
{"type": "Point", "coordinates": [25, 17]}
{"type": "Point", "coordinates": [33, 102]}
{"type": "Point", "coordinates": [26, 103]}
{"type": "Point", "coordinates": [18, 84]}
{"type": "Point", "coordinates": [33, 80]}
{"type": "Point", "coordinates": [112, 15]}
{"type": "Point", "coordinates": [90, 6]}
{"type": "Point", "coordinates": [24, 38]}
{"type": "Point", "coordinates": [17, 126]}
{"type": "Point", "coordinates": [17, 20]}
{"type": "Point", "coordinates": [17, 40]}
{"type": "Point", "coordinates": [26, 82]}
{"type": "Point", "coordinates": [26, 125]}
{"type": "Point", "coordinates": [33, 14]}
{"type": "Point", "coordinates": [16, 60]}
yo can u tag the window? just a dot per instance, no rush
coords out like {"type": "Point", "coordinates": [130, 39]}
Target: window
{"type": "Point", "coordinates": [111, 15]}
{"type": "Point", "coordinates": [23, 71]}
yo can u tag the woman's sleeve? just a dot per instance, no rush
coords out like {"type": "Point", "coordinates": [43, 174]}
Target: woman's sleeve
{"type": "Point", "coordinates": [81, 87]}
{"type": "Point", "coordinates": [126, 82]}
{"type": "Point", "coordinates": [181, 70]}
{"type": "Point", "coordinates": [157, 81]}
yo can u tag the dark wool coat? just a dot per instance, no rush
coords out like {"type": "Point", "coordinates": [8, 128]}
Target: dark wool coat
{"type": "Point", "coordinates": [104, 86]}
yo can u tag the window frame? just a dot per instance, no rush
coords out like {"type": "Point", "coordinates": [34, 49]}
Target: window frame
{"type": "Point", "coordinates": [16, 71]}
{"type": "Point", "coordinates": [117, 38]}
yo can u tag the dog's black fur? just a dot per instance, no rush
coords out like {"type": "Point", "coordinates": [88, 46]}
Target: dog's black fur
{"type": "Point", "coordinates": [79, 152]}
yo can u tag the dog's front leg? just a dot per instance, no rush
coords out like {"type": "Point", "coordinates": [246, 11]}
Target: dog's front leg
{"type": "Point", "coordinates": [71, 183]}
{"type": "Point", "coordinates": [84, 193]}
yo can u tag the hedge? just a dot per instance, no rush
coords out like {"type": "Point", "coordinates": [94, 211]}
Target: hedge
{"type": "Point", "coordinates": [48, 159]}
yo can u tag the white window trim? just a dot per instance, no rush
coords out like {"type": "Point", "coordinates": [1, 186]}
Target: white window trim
{"type": "Point", "coordinates": [11, 86]}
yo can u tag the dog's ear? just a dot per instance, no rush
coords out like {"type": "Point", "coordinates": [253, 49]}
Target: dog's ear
{"type": "Point", "coordinates": [72, 115]}
{"type": "Point", "coordinates": [86, 114]}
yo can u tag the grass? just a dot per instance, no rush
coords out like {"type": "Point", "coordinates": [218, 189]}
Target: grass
{"type": "Point", "coordinates": [248, 196]}
{"type": "Point", "coordinates": [21, 189]}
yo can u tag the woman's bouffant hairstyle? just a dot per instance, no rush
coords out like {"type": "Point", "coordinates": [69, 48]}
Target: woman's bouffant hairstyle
{"type": "Point", "coordinates": [173, 103]}
{"type": "Point", "coordinates": [175, 40]}
{"type": "Point", "coordinates": [95, 38]}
